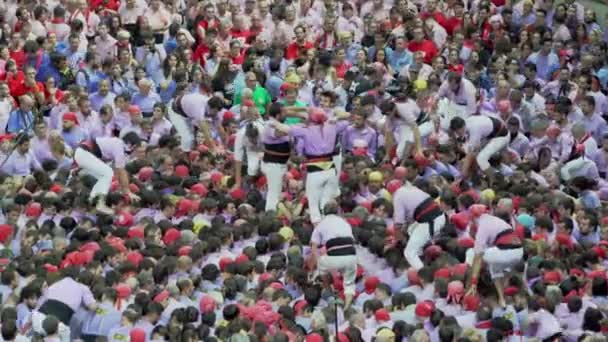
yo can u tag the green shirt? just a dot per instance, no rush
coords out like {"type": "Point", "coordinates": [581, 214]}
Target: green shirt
{"type": "Point", "coordinates": [261, 98]}
{"type": "Point", "coordinates": [293, 121]}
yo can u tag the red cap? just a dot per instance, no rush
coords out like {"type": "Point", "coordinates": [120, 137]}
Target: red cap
{"type": "Point", "coordinates": [184, 206]}
{"type": "Point", "coordinates": [511, 291]}
{"type": "Point", "coordinates": [413, 277]}
{"type": "Point", "coordinates": [444, 273]}
{"type": "Point", "coordinates": [184, 250]}
{"type": "Point", "coordinates": [182, 171]}
{"type": "Point", "coordinates": [575, 272]}
{"type": "Point", "coordinates": [33, 209]}
{"type": "Point", "coordinates": [5, 137]}
{"type": "Point", "coordinates": [354, 221]}
{"type": "Point", "coordinates": [552, 277]}
{"type": "Point", "coordinates": [599, 251]}
{"type": "Point", "coordinates": [123, 291]}
{"type": "Point", "coordinates": [228, 115]}
{"type": "Point", "coordinates": [237, 194]}
{"type": "Point", "coordinates": [125, 219]}
{"type": "Point", "coordinates": [6, 230]}
{"type": "Point", "coordinates": [224, 261]}
{"type": "Point", "coordinates": [137, 335]}
{"type": "Point", "coordinates": [133, 188]}
{"type": "Point", "coordinates": [50, 268]}
{"type": "Point", "coordinates": [299, 306]}
{"type": "Point", "coordinates": [276, 285]}
{"type": "Point", "coordinates": [199, 189]}
{"type": "Point", "coordinates": [565, 240]}
{"type": "Point", "coordinates": [216, 177]}
{"type": "Point", "coordinates": [135, 258]}
{"type": "Point", "coordinates": [370, 284]}
{"type": "Point", "coordinates": [382, 315]}
{"type": "Point", "coordinates": [56, 188]}
{"type": "Point", "coordinates": [145, 173]}
{"type": "Point", "coordinates": [466, 242]}
{"type": "Point", "coordinates": [207, 304]}
{"type": "Point", "coordinates": [193, 155]}
{"type": "Point", "coordinates": [70, 116]}
{"type": "Point", "coordinates": [90, 246]}
{"type": "Point", "coordinates": [317, 115]}
{"type": "Point", "coordinates": [425, 308]}
{"type": "Point", "coordinates": [241, 259]}
{"type": "Point", "coordinates": [248, 103]}
{"type": "Point", "coordinates": [367, 205]}
{"type": "Point", "coordinates": [164, 294]}
{"type": "Point", "coordinates": [470, 302]}
{"type": "Point", "coordinates": [171, 236]}
{"type": "Point", "coordinates": [314, 337]}
{"type": "Point", "coordinates": [134, 109]}
{"type": "Point", "coordinates": [460, 269]}
{"type": "Point", "coordinates": [264, 276]}
{"type": "Point", "coordinates": [393, 185]}
{"type": "Point", "coordinates": [136, 232]}
{"type": "Point", "coordinates": [460, 220]}
{"type": "Point", "coordinates": [261, 181]}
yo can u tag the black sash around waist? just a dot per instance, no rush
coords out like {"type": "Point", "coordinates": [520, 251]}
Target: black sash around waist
{"type": "Point", "coordinates": [310, 160]}
{"type": "Point", "coordinates": [177, 106]}
{"type": "Point", "coordinates": [91, 147]}
{"type": "Point", "coordinates": [340, 246]}
{"type": "Point", "coordinates": [499, 129]}
{"type": "Point", "coordinates": [277, 153]}
{"type": "Point", "coordinates": [427, 211]}
{"type": "Point", "coordinates": [58, 309]}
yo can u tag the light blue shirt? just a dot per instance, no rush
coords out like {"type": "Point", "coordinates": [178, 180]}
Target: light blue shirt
{"type": "Point", "coordinates": [146, 102]}
{"type": "Point", "coordinates": [102, 321]}
{"type": "Point", "coordinates": [398, 60]}
{"type": "Point", "coordinates": [20, 120]}
{"type": "Point", "coordinates": [546, 65]}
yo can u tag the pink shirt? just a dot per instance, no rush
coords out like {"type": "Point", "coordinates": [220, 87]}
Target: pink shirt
{"type": "Point", "coordinates": [69, 292]}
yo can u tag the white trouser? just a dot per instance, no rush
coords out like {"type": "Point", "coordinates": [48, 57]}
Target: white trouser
{"type": "Point", "coordinates": [493, 146]}
{"type": "Point", "coordinates": [253, 162]}
{"type": "Point", "coordinates": [183, 128]}
{"type": "Point", "coordinates": [500, 260]}
{"type": "Point", "coordinates": [345, 264]}
{"type": "Point", "coordinates": [337, 159]}
{"type": "Point", "coordinates": [406, 138]}
{"type": "Point", "coordinates": [96, 168]}
{"type": "Point", "coordinates": [274, 175]}
{"type": "Point", "coordinates": [419, 235]}
{"type": "Point", "coordinates": [321, 187]}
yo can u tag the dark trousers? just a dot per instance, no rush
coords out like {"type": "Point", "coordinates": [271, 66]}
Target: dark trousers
{"type": "Point", "coordinates": [58, 309]}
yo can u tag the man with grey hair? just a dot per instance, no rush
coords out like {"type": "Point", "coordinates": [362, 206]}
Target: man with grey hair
{"type": "Point", "coordinates": [146, 98]}
{"type": "Point", "coordinates": [420, 335]}
{"type": "Point", "coordinates": [335, 234]}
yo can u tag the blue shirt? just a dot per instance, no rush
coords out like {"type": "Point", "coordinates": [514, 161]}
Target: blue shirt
{"type": "Point", "coordinates": [546, 65]}
{"type": "Point", "coordinates": [105, 318]}
{"type": "Point", "coordinates": [146, 102]}
{"type": "Point", "coordinates": [398, 60]}
{"type": "Point", "coordinates": [273, 85]}
{"type": "Point", "coordinates": [20, 120]}
{"type": "Point", "coordinates": [167, 94]}
{"type": "Point", "coordinates": [73, 137]}
{"type": "Point", "coordinates": [89, 79]}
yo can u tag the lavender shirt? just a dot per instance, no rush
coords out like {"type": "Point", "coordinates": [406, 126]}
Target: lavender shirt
{"type": "Point", "coordinates": [113, 149]}
{"type": "Point", "coordinates": [318, 139]}
{"type": "Point", "coordinates": [69, 292]}
{"type": "Point", "coordinates": [405, 201]}
{"type": "Point", "coordinates": [489, 227]}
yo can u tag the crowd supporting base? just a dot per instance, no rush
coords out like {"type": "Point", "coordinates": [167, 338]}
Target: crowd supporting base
{"type": "Point", "coordinates": [303, 171]}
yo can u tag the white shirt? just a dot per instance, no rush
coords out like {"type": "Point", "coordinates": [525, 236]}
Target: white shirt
{"type": "Point", "coordinates": [6, 106]}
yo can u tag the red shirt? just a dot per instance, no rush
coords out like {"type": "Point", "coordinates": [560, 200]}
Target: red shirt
{"type": "Point", "coordinates": [294, 50]}
{"type": "Point", "coordinates": [22, 89]}
{"type": "Point", "coordinates": [13, 80]}
{"type": "Point", "coordinates": [438, 16]}
{"type": "Point", "coordinates": [427, 46]}
{"type": "Point", "coordinates": [342, 68]}
{"type": "Point", "coordinates": [451, 24]}
{"type": "Point", "coordinates": [199, 54]}
{"type": "Point", "coordinates": [18, 56]}
{"type": "Point", "coordinates": [239, 59]}
{"type": "Point", "coordinates": [240, 34]}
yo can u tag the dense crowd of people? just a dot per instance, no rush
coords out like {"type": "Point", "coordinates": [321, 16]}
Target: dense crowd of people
{"type": "Point", "coordinates": [303, 170]}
